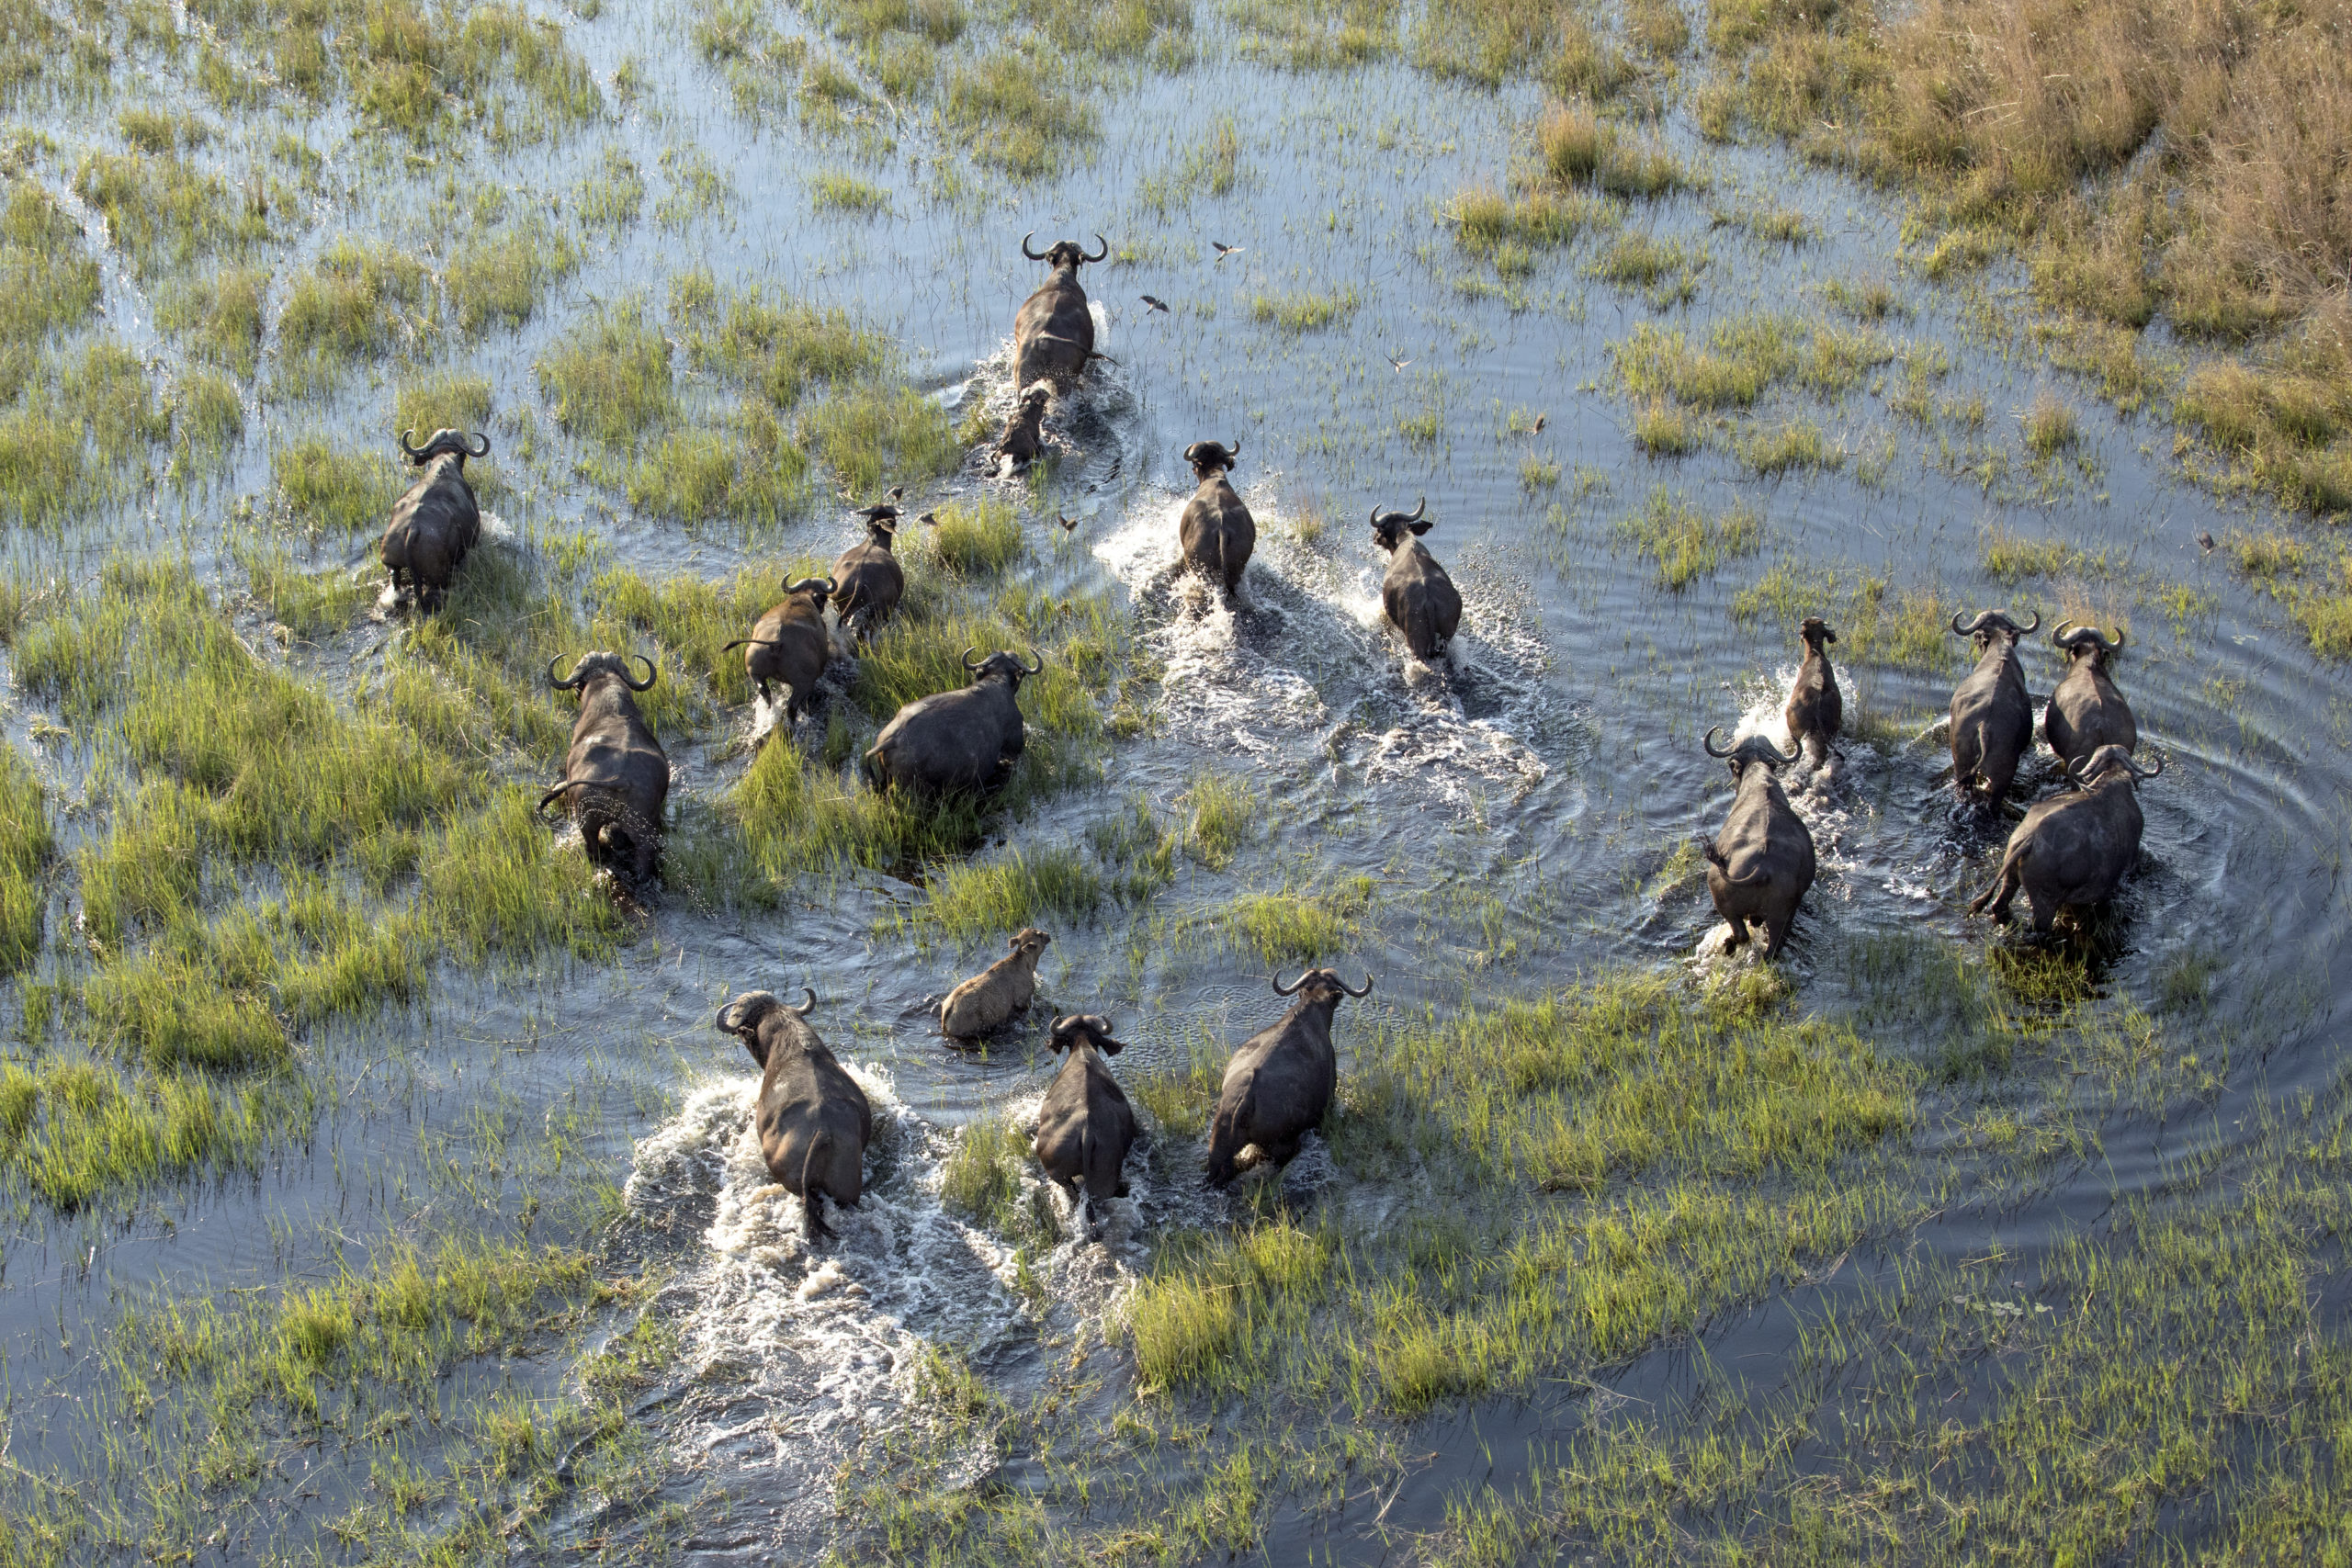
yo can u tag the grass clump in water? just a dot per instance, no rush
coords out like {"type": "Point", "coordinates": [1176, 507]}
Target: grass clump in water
{"type": "Point", "coordinates": [988, 1181]}
{"type": "Point", "coordinates": [847, 193]}
{"type": "Point", "coordinates": [1019, 119]}
{"type": "Point", "coordinates": [1687, 544]}
{"type": "Point", "coordinates": [774, 345]}
{"type": "Point", "coordinates": [965, 903]}
{"type": "Point", "coordinates": [331, 491]}
{"type": "Point", "coordinates": [1303, 37]}
{"type": "Point", "coordinates": [1796, 444]}
{"type": "Point", "coordinates": [351, 305]}
{"type": "Point", "coordinates": [972, 539]}
{"type": "Point", "coordinates": [877, 434]}
{"type": "Point", "coordinates": [27, 842]}
{"type": "Point", "coordinates": [1487, 222]}
{"type": "Point", "coordinates": [1663, 429]}
{"type": "Point", "coordinates": [499, 279]}
{"type": "Point", "coordinates": [2050, 428]}
{"type": "Point", "coordinates": [1667, 270]}
{"type": "Point", "coordinates": [1304, 312]}
{"type": "Point", "coordinates": [49, 282]}
{"type": "Point", "coordinates": [609, 377]}
{"type": "Point", "coordinates": [219, 317]}
{"type": "Point", "coordinates": [163, 212]}
{"type": "Point", "coordinates": [1298, 928]}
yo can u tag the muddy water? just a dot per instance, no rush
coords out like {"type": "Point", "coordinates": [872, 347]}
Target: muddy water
{"type": "Point", "coordinates": [1511, 809]}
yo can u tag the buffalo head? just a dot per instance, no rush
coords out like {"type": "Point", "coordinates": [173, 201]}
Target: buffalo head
{"type": "Point", "coordinates": [2086, 642]}
{"type": "Point", "coordinates": [1389, 528]}
{"type": "Point", "coordinates": [1320, 985]}
{"type": "Point", "coordinates": [1209, 458]}
{"type": "Point", "coordinates": [742, 1017]}
{"type": "Point", "coordinates": [1084, 1028]}
{"type": "Point", "coordinates": [1990, 622]}
{"type": "Point", "coordinates": [1003, 666]}
{"type": "Point", "coordinates": [601, 663]}
{"type": "Point", "coordinates": [2087, 771]}
{"type": "Point", "coordinates": [445, 441]}
{"type": "Point", "coordinates": [1065, 253]}
{"type": "Point", "coordinates": [1816, 631]}
{"type": "Point", "coordinates": [1755, 749]}
{"type": "Point", "coordinates": [817, 589]}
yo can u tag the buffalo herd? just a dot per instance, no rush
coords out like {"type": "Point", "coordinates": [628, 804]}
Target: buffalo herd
{"type": "Point", "coordinates": [2070, 852]}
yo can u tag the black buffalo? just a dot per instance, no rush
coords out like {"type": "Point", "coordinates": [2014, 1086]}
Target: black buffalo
{"type": "Point", "coordinates": [1053, 337]}
{"type": "Point", "coordinates": [1419, 596]}
{"type": "Point", "coordinates": [436, 522]}
{"type": "Point", "coordinates": [2086, 712]}
{"type": "Point", "coordinates": [616, 777]}
{"type": "Point", "coordinates": [814, 1121]}
{"type": "Point", "coordinates": [789, 645]}
{"type": "Point", "coordinates": [956, 741]}
{"type": "Point", "coordinates": [1816, 710]}
{"type": "Point", "coordinates": [1086, 1126]}
{"type": "Point", "coordinates": [2073, 852]}
{"type": "Point", "coordinates": [1281, 1082]}
{"type": "Point", "coordinates": [867, 579]}
{"type": "Point", "coordinates": [1024, 430]}
{"type": "Point", "coordinates": [1217, 531]}
{"type": "Point", "coordinates": [1761, 863]}
{"type": "Point", "coordinates": [1992, 717]}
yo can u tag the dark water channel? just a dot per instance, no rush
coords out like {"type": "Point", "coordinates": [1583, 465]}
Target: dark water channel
{"type": "Point", "coordinates": [1514, 813]}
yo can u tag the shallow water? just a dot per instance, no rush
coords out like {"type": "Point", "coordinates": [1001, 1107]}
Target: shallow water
{"type": "Point", "coordinates": [1512, 809]}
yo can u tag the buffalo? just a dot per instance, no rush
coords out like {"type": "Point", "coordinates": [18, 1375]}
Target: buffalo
{"type": "Point", "coordinates": [437, 521]}
{"type": "Point", "coordinates": [1024, 430]}
{"type": "Point", "coordinates": [1815, 709]}
{"type": "Point", "coordinates": [2072, 852]}
{"type": "Point", "coordinates": [1282, 1080]}
{"type": "Point", "coordinates": [1760, 864]}
{"type": "Point", "coordinates": [1217, 531]}
{"type": "Point", "coordinates": [1992, 717]}
{"type": "Point", "coordinates": [867, 581]}
{"type": "Point", "coordinates": [2086, 712]}
{"type": "Point", "coordinates": [814, 1121]}
{"type": "Point", "coordinates": [616, 777]}
{"type": "Point", "coordinates": [1085, 1127]}
{"type": "Point", "coordinates": [956, 741]}
{"type": "Point", "coordinates": [1419, 596]}
{"type": "Point", "coordinates": [989, 999]}
{"type": "Point", "coordinates": [1053, 337]}
{"type": "Point", "coordinates": [789, 646]}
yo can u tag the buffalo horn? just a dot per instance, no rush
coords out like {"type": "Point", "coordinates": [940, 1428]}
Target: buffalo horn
{"type": "Point", "coordinates": [1231, 452]}
{"type": "Point", "coordinates": [1102, 249]}
{"type": "Point", "coordinates": [1973, 628]}
{"type": "Point", "coordinates": [1037, 662]}
{"type": "Point", "coordinates": [1033, 256]}
{"type": "Point", "coordinates": [1367, 984]}
{"type": "Point", "coordinates": [1283, 990]}
{"type": "Point", "coordinates": [560, 686]}
{"type": "Point", "coordinates": [826, 583]}
{"type": "Point", "coordinates": [652, 674]}
{"type": "Point", "coordinates": [1375, 514]}
{"type": "Point", "coordinates": [805, 1009]}
{"type": "Point", "coordinates": [2152, 772]}
{"type": "Point", "coordinates": [1780, 758]}
{"type": "Point", "coordinates": [480, 448]}
{"type": "Point", "coordinates": [968, 665]}
{"type": "Point", "coordinates": [1710, 743]}
{"type": "Point", "coordinates": [1420, 509]}
{"type": "Point", "coordinates": [415, 453]}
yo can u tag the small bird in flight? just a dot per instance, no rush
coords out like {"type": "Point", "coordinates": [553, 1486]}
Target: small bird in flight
{"type": "Point", "coordinates": [2206, 540]}
{"type": "Point", "coordinates": [1224, 249]}
{"type": "Point", "coordinates": [931, 518]}
{"type": "Point", "coordinates": [1070, 525]}
{"type": "Point", "coordinates": [1539, 422]}
{"type": "Point", "coordinates": [1155, 304]}
{"type": "Point", "coordinates": [1399, 364]}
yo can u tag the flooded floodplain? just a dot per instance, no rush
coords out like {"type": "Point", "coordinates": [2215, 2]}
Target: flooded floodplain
{"type": "Point", "coordinates": [378, 1186]}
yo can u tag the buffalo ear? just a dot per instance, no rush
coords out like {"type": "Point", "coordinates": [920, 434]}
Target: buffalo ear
{"type": "Point", "coordinates": [1423, 526]}
{"type": "Point", "coordinates": [1109, 1046]}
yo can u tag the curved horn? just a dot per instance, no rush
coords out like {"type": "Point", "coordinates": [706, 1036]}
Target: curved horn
{"type": "Point", "coordinates": [968, 665]}
{"type": "Point", "coordinates": [720, 1022]}
{"type": "Point", "coordinates": [1291, 989]}
{"type": "Point", "coordinates": [832, 587]}
{"type": "Point", "coordinates": [2058, 633]}
{"type": "Point", "coordinates": [1033, 256]}
{"type": "Point", "coordinates": [2120, 639]}
{"type": "Point", "coordinates": [1973, 628]}
{"type": "Point", "coordinates": [652, 674]}
{"type": "Point", "coordinates": [1420, 509]}
{"type": "Point", "coordinates": [1232, 452]}
{"type": "Point", "coordinates": [1710, 743]}
{"type": "Point", "coordinates": [481, 447]}
{"type": "Point", "coordinates": [1780, 758]}
{"type": "Point", "coordinates": [1102, 249]}
{"type": "Point", "coordinates": [1037, 662]}
{"type": "Point", "coordinates": [2032, 628]}
{"type": "Point", "coordinates": [559, 685]}
{"type": "Point", "coordinates": [2151, 773]}
{"type": "Point", "coordinates": [805, 1009]}
{"type": "Point", "coordinates": [413, 452]}
{"type": "Point", "coordinates": [1375, 514]}
{"type": "Point", "coordinates": [1367, 986]}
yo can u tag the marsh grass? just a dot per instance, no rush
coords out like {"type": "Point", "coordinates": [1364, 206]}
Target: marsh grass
{"type": "Point", "coordinates": [306, 602]}
{"type": "Point", "coordinates": [1305, 37]}
{"type": "Point", "coordinates": [1221, 816]}
{"type": "Point", "coordinates": [1297, 927]}
{"type": "Point", "coordinates": [1664, 430]}
{"type": "Point", "coordinates": [609, 377]}
{"type": "Point", "coordinates": [1685, 543]}
{"type": "Point", "coordinates": [330, 491]}
{"type": "Point", "coordinates": [356, 302]}
{"type": "Point", "coordinates": [1745, 356]}
{"type": "Point", "coordinates": [2050, 426]}
{"type": "Point", "coordinates": [27, 842]}
{"type": "Point", "coordinates": [2011, 559]}
{"type": "Point", "coordinates": [163, 212]}
{"type": "Point", "coordinates": [847, 193]}
{"type": "Point", "coordinates": [972, 539]}
{"type": "Point", "coordinates": [1877, 622]}
{"type": "Point", "coordinates": [1025, 121]}
{"type": "Point", "coordinates": [498, 279]}
{"type": "Point", "coordinates": [988, 1180]}
{"type": "Point", "coordinates": [875, 435]}
{"type": "Point", "coordinates": [1774, 450]}
{"type": "Point", "coordinates": [1304, 312]}
{"type": "Point", "coordinates": [965, 902]}
{"type": "Point", "coordinates": [1487, 222]}
{"type": "Point", "coordinates": [1212, 168]}
{"type": "Point", "coordinates": [1666, 270]}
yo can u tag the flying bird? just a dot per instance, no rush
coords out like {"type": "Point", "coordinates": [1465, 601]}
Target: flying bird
{"type": "Point", "coordinates": [1155, 304]}
{"type": "Point", "coordinates": [2206, 540]}
{"type": "Point", "coordinates": [1224, 249]}
{"type": "Point", "coordinates": [1070, 525]}
{"type": "Point", "coordinates": [1399, 364]}
{"type": "Point", "coordinates": [931, 518]}
{"type": "Point", "coordinates": [1539, 422]}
